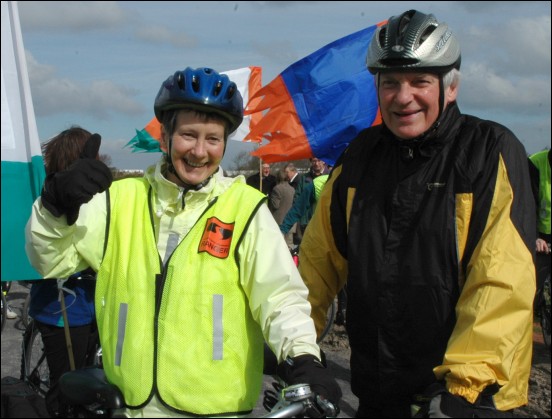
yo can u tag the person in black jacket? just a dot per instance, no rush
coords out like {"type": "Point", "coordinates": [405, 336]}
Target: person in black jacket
{"type": "Point", "coordinates": [268, 180]}
{"type": "Point", "coordinates": [429, 220]}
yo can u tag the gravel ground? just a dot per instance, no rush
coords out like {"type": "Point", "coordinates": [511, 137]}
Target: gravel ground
{"type": "Point", "coordinates": [539, 383]}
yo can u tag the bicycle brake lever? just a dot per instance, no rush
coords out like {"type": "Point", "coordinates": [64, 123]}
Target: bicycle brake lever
{"type": "Point", "coordinates": [326, 408]}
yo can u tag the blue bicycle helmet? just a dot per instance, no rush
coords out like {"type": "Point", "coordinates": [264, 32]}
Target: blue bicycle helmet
{"type": "Point", "coordinates": [203, 89]}
{"type": "Point", "coordinates": [413, 41]}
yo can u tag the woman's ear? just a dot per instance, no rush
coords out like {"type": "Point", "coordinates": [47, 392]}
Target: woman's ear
{"type": "Point", "coordinates": [163, 141]}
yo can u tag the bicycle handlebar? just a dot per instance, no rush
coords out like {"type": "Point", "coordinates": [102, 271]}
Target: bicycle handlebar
{"type": "Point", "coordinates": [299, 399]}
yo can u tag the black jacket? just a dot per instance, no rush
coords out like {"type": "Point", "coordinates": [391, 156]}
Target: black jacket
{"type": "Point", "coordinates": [412, 227]}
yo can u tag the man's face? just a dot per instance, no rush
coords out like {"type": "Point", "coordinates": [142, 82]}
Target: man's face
{"type": "Point", "coordinates": [289, 174]}
{"type": "Point", "coordinates": [197, 147]}
{"type": "Point", "coordinates": [317, 166]}
{"type": "Point", "coordinates": [266, 170]}
{"type": "Point", "coordinates": [409, 102]}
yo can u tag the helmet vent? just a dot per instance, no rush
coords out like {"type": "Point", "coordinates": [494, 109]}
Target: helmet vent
{"type": "Point", "coordinates": [195, 83]}
{"type": "Point", "coordinates": [403, 24]}
{"type": "Point", "coordinates": [218, 88]}
{"type": "Point", "coordinates": [231, 91]}
{"type": "Point", "coordinates": [180, 80]}
{"type": "Point", "coordinates": [428, 31]}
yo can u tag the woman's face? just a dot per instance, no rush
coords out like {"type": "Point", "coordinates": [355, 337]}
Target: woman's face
{"type": "Point", "coordinates": [197, 147]}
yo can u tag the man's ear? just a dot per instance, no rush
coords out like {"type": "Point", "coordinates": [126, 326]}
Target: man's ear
{"type": "Point", "coordinates": [451, 93]}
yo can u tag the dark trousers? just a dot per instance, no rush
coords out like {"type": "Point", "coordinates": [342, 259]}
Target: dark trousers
{"type": "Point", "coordinates": [83, 341]}
{"type": "Point", "coordinates": [368, 409]}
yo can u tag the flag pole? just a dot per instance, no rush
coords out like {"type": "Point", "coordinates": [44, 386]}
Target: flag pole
{"type": "Point", "coordinates": [260, 173]}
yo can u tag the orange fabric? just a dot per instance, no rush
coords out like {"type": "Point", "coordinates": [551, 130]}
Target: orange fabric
{"type": "Point", "coordinates": [288, 140]}
{"type": "Point", "coordinates": [154, 129]}
{"type": "Point", "coordinates": [255, 84]}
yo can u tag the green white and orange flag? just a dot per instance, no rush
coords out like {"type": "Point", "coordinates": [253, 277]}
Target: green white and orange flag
{"type": "Point", "coordinates": [22, 164]}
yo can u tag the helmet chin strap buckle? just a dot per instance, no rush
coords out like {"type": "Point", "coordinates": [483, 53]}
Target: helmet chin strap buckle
{"type": "Point", "coordinates": [187, 187]}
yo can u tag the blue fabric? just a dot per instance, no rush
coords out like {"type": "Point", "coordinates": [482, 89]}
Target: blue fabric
{"type": "Point", "coordinates": [46, 307]}
{"type": "Point", "coordinates": [334, 93]}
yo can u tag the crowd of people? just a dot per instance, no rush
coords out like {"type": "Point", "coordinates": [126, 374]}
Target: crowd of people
{"type": "Point", "coordinates": [427, 220]}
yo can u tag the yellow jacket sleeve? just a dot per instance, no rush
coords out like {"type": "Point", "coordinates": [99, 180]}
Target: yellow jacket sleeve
{"type": "Point", "coordinates": [493, 333]}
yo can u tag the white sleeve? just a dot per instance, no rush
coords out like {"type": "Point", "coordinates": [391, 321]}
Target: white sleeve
{"type": "Point", "coordinates": [277, 294]}
{"type": "Point", "coordinates": [57, 250]}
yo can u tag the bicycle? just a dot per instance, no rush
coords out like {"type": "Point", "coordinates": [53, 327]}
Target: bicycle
{"type": "Point", "coordinates": [34, 366]}
{"type": "Point", "coordinates": [87, 393]}
{"type": "Point", "coordinates": [6, 285]}
{"type": "Point", "coordinates": [25, 317]}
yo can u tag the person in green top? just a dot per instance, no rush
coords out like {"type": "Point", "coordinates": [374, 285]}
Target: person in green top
{"type": "Point", "coordinates": [541, 162]}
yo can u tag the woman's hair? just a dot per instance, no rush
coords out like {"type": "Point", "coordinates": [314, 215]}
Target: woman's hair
{"type": "Point", "coordinates": [63, 149]}
{"type": "Point", "coordinates": [281, 176]}
{"type": "Point", "coordinates": [169, 120]}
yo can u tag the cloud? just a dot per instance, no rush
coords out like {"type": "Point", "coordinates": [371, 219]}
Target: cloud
{"type": "Point", "coordinates": [524, 45]}
{"type": "Point", "coordinates": [101, 98]}
{"type": "Point", "coordinates": [161, 35]}
{"type": "Point", "coordinates": [481, 87]}
{"type": "Point", "coordinates": [71, 16]}
{"type": "Point", "coordinates": [276, 51]}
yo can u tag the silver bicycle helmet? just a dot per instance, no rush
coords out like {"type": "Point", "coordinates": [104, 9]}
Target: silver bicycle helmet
{"type": "Point", "coordinates": [413, 41]}
{"type": "Point", "coordinates": [203, 89]}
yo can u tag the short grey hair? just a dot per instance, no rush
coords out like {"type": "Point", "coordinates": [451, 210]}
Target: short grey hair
{"type": "Point", "coordinates": [452, 78]}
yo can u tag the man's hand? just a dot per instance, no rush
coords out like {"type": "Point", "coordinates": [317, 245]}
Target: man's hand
{"type": "Point", "coordinates": [542, 246]}
{"type": "Point", "coordinates": [64, 192]}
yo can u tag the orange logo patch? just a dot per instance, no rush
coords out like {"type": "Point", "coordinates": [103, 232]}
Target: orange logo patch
{"type": "Point", "coordinates": [216, 238]}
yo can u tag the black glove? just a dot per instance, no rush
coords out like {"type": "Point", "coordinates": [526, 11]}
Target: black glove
{"type": "Point", "coordinates": [64, 192]}
{"type": "Point", "coordinates": [446, 405]}
{"type": "Point", "coordinates": [307, 369]}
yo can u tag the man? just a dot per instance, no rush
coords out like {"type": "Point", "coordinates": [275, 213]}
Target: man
{"type": "Point", "coordinates": [193, 274]}
{"type": "Point", "coordinates": [429, 220]}
{"type": "Point", "coordinates": [292, 175]}
{"type": "Point", "coordinates": [541, 163]}
{"type": "Point", "coordinates": [299, 182]}
{"type": "Point", "coordinates": [268, 180]}
{"type": "Point", "coordinates": [318, 168]}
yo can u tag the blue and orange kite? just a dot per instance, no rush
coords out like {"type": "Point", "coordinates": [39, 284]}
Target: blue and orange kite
{"type": "Point", "coordinates": [316, 106]}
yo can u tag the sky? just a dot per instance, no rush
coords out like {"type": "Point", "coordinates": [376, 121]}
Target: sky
{"type": "Point", "coordinates": [99, 64]}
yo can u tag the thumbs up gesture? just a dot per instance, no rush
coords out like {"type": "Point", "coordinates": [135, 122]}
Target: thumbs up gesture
{"type": "Point", "coordinates": [64, 192]}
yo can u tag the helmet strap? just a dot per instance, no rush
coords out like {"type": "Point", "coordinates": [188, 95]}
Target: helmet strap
{"type": "Point", "coordinates": [441, 96]}
{"type": "Point", "coordinates": [171, 168]}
